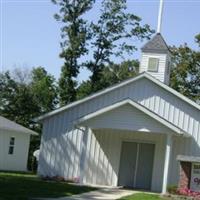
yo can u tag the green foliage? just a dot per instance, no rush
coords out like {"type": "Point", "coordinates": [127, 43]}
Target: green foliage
{"type": "Point", "coordinates": [111, 36]}
{"type": "Point", "coordinates": [115, 73]}
{"type": "Point", "coordinates": [74, 33]}
{"type": "Point", "coordinates": [110, 74]}
{"type": "Point", "coordinates": [197, 38]}
{"type": "Point", "coordinates": [84, 89]}
{"type": "Point", "coordinates": [16, 100]}
{"type": "Point", "coordinates": [172, 189]}
{"type": "Point", "coordinates": [24, 97]}
{"type": "Point", "coordinates": [44, 89]}
{"type": "Point", "coordinates": [185, 74]}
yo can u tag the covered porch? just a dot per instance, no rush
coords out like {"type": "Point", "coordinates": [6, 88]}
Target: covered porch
{"type": "Point", "coordinates": [127, 145]}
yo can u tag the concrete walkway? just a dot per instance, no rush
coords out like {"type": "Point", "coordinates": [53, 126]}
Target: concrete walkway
{"type": "Point", "coordinates": [106, 194]}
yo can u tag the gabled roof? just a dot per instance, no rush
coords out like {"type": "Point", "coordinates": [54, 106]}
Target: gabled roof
{"type": "Point", "coordinates": [6, 124]}
{"type": "Point", "coordinates": [156, 45]}
{"type": "Point", "coordinates": [138, 106]}
{"type": "Point", "coordinates": [123, 83]}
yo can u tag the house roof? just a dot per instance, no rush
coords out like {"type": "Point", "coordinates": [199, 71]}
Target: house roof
{"type": "Point", "coordinates": [156, 45]}
{"type": "Point", "coordinates": [138, 106]}
{"type": "Point", "coordinates": [186, 158]}
{"type": "Point", "coordinates": [123, 83]}
{"type": "Point", "coordinates": [6, 124]}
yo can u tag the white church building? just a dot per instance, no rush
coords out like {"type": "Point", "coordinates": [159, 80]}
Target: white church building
{"type": "Point", "coordinates": [128, 135]}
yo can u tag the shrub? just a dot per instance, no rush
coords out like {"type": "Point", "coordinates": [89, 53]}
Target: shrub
{"type": "Point", "coordinates": [172, 189]}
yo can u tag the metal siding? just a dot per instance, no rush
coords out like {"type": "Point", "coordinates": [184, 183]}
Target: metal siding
{"type": "Point", "coordinates": [134, 120]}
{"type": "Point", "coordinates": [18, 160]}
{"type": "Point", "coordinates": [160, 75]}
{"type": "Point", "coordinates": [60, 156]}
{"type": "Point", "coordinates": [126, 174]}
{"type": "Point", "coordinates": [103, 163]}
{"type": "Point", "coordinates": [145, 166]}
{"type": "Point", "coordinates": [57, 134]}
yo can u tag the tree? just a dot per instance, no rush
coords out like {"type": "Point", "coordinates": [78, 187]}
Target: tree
{"type": "Point", "coordinates": [75, 33]}
{"type": "Point", "coordinates": [111, 74]}
{"type": "Point", "coordinates": [197, 38]}
{"type": "Point", "coordinates": [84, 89]}
{"type": "Point", "coordinates": [185, 75]}
{"type": "Point", "coordinates": [25, 96]}
{"type": "Point", "coordinates": [16, 100]}
{"type": "Point", "coordinates": [44, 89]}
{"type": "Point", "coordinates": [111, 37]}
{"type": "Point", "coordinates": [22, 98]}
{"type": "Point", "coordinates": [116, 73]}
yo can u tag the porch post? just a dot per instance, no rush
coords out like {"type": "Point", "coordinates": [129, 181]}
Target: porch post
{"type": "Point", "coordinates": [83, 154]}
{"type": "Point", "coordinates": [166, 163]}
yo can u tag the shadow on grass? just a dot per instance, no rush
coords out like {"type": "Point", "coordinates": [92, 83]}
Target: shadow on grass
{"type": "Point", "coordinates": [15, 186]}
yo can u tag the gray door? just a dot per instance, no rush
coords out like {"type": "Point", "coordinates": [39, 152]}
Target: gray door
{"type": "Point", "coordinates": [136, 165]}
{"type": "Point", "coordinates": [127, 164]}
{"type": "Point", "coordinates": [144, 166]}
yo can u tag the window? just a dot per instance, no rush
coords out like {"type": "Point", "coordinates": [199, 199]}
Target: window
{"type": "Point", "coordinates": [11, 146]}
{"type": "Point", "coordinates": [153, 64]}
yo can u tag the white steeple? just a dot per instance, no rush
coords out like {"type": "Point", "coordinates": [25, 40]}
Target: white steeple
{"type": "Point", "coordinates": [156, 56]}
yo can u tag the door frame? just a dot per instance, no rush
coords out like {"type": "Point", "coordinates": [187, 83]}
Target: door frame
{"type": "Point", "coordinates": [137, 142]}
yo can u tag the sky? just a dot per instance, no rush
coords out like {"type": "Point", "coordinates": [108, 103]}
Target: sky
{"type": "Point", "coordinates": [30, 36]}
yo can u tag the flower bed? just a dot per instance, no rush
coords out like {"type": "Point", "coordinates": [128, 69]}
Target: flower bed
{"type": "Point", "coordinates": [60, 179]}
{"type": "Point", "coordinates": [189, 193]}
{"type": "Point", "coordinates": [182, 194]}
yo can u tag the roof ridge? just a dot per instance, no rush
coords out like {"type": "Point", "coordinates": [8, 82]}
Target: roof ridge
{"type": "Point", "coordinates": [125, 82]}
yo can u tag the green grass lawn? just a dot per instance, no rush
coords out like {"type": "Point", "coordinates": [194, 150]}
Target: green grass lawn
{"type": "Point", "coordinates": [142, 196]}
{"type": "Point", "coordinates": [16, 186]}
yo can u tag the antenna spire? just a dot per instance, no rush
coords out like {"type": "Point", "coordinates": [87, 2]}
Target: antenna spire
{"type": "Point", "coordinates": [160, 14]}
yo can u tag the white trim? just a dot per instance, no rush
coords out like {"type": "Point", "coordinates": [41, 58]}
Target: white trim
{"type": "Point", "coordinates": [136, 164]}
{"type": "Point", "coordinates": [139, 107]}
{"type": "Point", "coordinates": [144, 74]}
{"type": "Point", "coordinates": [166, 163]}
{"type": "Point", "coordinates": [83, 155]}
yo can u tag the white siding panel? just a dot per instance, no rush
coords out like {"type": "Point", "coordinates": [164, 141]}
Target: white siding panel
{"type": "Point", "coordinates": [103, 165]}
{"type": "Point", "coordinates": [60, 156]}
{"type": "Point", "coordinates": [127, 118]}
{"type": "Point", "coordinates": [163, 60]}
{"type": "Point", "coordinates": [18, 160]}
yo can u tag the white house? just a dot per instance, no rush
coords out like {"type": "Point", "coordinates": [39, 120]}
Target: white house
{"type": "Point", "coordinates": [14, 145]}
{"type": "Point", "coordinates": [129, 134]}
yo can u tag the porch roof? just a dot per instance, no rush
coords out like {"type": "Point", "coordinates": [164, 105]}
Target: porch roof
{"type": "Point", "coordinates": [144, 110]}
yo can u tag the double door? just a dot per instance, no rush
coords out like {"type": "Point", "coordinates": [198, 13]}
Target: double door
{"type": "Point", "coordinates": [136, 165]}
